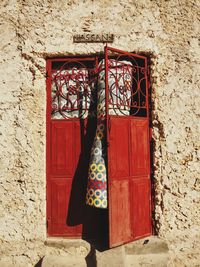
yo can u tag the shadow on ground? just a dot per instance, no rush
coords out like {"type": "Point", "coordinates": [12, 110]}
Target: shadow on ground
{"type": "Point", "coordinates": [90, 259]}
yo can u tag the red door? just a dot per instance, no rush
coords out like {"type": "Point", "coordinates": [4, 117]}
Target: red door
{"type": "Point", "coordinates": [64, 153]}
{"type": "Point", "coordinates": [69, 89]}
{"type": "Point", "coordinates": [69, 139]}
{"type": "Point", "coordinates": [128, 147]}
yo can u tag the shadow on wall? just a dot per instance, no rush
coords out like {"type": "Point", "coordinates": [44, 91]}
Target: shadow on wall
{"type": "Point", "coordinates": [93, 220]}
{"type": "Point", "coordinates": [39, 264]}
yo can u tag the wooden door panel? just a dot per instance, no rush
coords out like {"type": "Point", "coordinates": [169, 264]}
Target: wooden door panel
{"type": "Point", "coordinates": [118, 182]}
{"type": "Point", "coordinates": [141, 208]}
{"type": "Point", "coordinates": [60, 194]}
{"type": "Point", "coordinates": [119, 148]}
{"type": "Point", "coordinates": [119, 209]}
{"type": "Point", "coordinates": [65, 153]}
{"type": "Point", "coordinates": [139, 147]}
{"type": "Point", "coordinates": [60, 190]}
{"type": "Point", "coordinates": [62, 152]}
{"type": "Point", "coordinates": [129, 180]}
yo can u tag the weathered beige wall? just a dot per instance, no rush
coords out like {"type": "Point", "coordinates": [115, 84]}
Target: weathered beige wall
{"type": "Point", "coordinates": [30, 30]}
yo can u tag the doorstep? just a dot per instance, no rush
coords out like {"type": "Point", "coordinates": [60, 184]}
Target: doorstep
{"type": "Point", "coordinates": [151, 251]}
{"type": "Point", "coordinates": [73, 246]}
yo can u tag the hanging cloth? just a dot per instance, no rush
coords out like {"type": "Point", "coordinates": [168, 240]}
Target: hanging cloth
{"type": "Point", "coordinates": [97, 181]}
{"type": "Point", "coordinates": [120, 86]}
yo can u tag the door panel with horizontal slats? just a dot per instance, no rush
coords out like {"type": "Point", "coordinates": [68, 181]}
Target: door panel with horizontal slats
{"type": "Point", "coordinates": [128, 146]}
{"type": "Point", "coordinates": [65, 152]}
{"type": "Point", "coordinates": [129, 193]}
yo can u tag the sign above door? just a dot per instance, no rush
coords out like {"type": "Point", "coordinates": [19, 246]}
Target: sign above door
{"type": "Point", "coordinates": [93, 38]}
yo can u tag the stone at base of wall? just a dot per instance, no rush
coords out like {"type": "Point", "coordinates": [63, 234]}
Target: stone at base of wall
{"type": "Point", "coordinates": [112, 257]}
{"type": "Point", "coordinates": [148, 252]}
{"type": "Point", "coordinates": [74, 247]}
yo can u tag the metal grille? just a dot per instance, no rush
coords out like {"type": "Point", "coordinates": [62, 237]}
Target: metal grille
{"type": "Point", "coordinates": [76, 82]}
{"type": "Point", "coordinates": [127, 85]}
{"type": "Point", "coordinates": [73, 90]}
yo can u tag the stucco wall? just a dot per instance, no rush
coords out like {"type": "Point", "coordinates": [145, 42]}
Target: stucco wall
{"type": "Point", "coordinates": [31, 30]}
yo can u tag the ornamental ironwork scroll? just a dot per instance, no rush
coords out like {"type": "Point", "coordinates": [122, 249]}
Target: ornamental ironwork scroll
{"type": "Point", "coordinates": [73, 90]}
{"type": "Point", "coordinates": [127, 87]}
{"type": "Point", "coordinates": [75, 86]}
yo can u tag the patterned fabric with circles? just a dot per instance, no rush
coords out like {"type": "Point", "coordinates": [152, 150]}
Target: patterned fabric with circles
{"type": "Point", "coordinates": [97, 181]}
{"type": "Point", "coordinates": [96, 195]}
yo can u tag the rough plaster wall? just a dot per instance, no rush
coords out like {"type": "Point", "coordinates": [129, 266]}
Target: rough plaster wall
{"type": "Point", "coordinates": [33, 29]}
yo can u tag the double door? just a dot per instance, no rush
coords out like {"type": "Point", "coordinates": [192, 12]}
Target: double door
{"type": "Point", "coordinates": [72, 86]}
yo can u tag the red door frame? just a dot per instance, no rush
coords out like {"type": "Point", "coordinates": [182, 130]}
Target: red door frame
{"type": "Point", "coordinates": [48, 117]}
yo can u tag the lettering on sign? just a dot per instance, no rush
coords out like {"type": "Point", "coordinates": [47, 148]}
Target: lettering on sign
{"type": "Point", "coordinates": [93, 38]}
